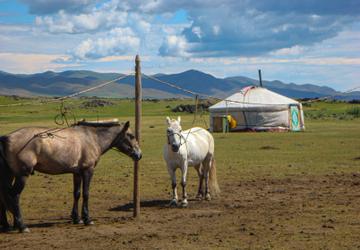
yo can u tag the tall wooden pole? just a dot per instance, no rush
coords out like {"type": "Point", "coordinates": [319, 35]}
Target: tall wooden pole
{"type": "Point", "coordinates": [260, 78]}
{"type": "Point", "coordinates": [138, 98]}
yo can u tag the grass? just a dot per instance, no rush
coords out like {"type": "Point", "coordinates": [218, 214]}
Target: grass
{"type": "Point", "coordinates": [327, 141]}
{"type": "Point", "coordinates": [326, 144]}
{"type": "Point", "coordinates": [354, 111]}
{"type": "Point", "coordinates": [329, 145]}
{"type": "Point", "coordinates": [331, 110]}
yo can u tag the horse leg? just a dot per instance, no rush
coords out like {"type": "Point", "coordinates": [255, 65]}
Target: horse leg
{"type": "Point", "coordinates": [77, 186]}
{"type": "Point", "coordinates": [206, 172]}
{"type": "Point", "coordinates": [172, 173]}
{"type": "Point", "coordinates": [3, 218]}
{"type": "Point", "coordinates": [184, 169]}
{"type": "Point", "coordinates": [201, 178]}
{"type": "Point", "coordinates": [6, 179]}
{"type": "Point", "coordinates": [15, 208]}
{"type": "Point", "coordinates": [86, 176]}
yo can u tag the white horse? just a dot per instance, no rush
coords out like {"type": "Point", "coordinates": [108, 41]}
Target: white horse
{"type": "Point", "coordinates": [193, 147]}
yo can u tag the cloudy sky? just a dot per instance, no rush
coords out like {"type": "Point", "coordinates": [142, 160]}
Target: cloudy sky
{"type": "Point", "coordinates": [301, 41]}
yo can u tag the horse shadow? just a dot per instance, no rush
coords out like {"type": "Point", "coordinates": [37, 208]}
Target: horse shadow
{"type": "Point", "coordinates": [53, 222]}
{"type": "Point", "coordinates": [37, 225]}
{"type": "Point", "coordinates": [43, 224]}
{"type": "Point", "coordinates": [150, 203]}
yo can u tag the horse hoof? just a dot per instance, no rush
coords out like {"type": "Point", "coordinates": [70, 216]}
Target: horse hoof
{"type": "Point", "coordinates": [173, 203]}
{"type": "Point", "coordinates": [76, 222]}
{"type": "Point", "coordinates": [199, 197]}
{"type": "Point", "coordinates": [5, 229]}
{"type": "Point", "coordinates": [24, 230]}
{"type": "Point", "coordinates": [184, 204]}
{"type": "Point", "coordinates": [89, 223]}
{"type": "Point", "coordinates": [207, 197]}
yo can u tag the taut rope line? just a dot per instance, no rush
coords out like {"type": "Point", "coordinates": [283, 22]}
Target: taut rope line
{"type": "Point", "coordinates": [71, 95]}
{"type": "Point", "coordinates": [234, 101]}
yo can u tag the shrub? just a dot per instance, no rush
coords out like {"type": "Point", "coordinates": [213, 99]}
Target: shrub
{"type": "Point", "coordinates": [354, 111]}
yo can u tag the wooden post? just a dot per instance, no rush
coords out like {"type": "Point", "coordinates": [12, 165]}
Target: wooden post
{"type": "Point", "coordinates": [138, 98]}
{"type": "Point", "coordinates": [260, 78]}
{"type": "Point", "coordinates": [196, 109]}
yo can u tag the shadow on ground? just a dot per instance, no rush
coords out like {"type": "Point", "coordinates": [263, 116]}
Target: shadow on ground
{"type": "Point", "coordinates": [151, 203]}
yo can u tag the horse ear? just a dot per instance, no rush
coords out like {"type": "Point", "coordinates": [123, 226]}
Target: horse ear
{"type": "Point", "coordinates": [126, 126]}
{"type": "Point", "coordinates": [179, 119]}
{"type": "Point", "coordinates": [168, 120]}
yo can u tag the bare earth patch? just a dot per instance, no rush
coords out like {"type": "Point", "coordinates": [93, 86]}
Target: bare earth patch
{"type": "Point", "coordinates": [298, 212]}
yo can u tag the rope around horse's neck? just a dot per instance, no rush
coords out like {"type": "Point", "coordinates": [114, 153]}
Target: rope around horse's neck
{"type": "Point", "coordinates": [185, 139]}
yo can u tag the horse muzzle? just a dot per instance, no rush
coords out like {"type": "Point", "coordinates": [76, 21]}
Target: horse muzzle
{"type": "Point", "coordinates": [136, 156]}
{"type": "Point", "coordinates": [175, 148]}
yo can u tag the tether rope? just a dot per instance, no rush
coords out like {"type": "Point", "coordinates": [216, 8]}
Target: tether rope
{"type": "Point", "coordinates": [236, 101]}
{"type": "Point", "coordinates": [93, 88]}
{"type": "Point", "coordinates": [44, 101]}
{"type": "Point", "coordinates": [194, 93]}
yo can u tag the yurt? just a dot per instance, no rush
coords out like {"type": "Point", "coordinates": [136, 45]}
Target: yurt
{"type": "Point", "coordinates": [256, 109]}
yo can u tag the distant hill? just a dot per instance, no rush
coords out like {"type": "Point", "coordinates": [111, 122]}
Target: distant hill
{"type": "Point", "coordinates": [51, 83]}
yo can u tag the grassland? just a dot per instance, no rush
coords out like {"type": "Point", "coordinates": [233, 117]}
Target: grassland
{"type": "Point", "coordinates": [279, 190]}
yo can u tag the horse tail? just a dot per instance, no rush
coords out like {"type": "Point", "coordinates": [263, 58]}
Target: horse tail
{"type": "Point", "coordinates": [213, 184]}
{"type": "Point", "coordinates": [6, 175]}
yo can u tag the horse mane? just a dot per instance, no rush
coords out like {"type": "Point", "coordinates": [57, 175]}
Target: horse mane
{"type": "Point", "coordinates": [102, 123]}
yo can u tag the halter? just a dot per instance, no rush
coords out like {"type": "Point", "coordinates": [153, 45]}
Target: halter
{"type": "Point", "coordinates": [180, 135]}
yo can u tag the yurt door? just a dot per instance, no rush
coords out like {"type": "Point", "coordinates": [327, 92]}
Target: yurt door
{"type": "Point", "coordinates": [295, 118]}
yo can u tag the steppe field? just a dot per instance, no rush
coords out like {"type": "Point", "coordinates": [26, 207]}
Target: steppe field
{"type": "Point", "coordinates": [279, 190]}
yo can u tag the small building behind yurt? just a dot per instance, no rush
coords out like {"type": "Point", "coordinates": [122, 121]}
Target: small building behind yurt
{"type": "Point", "coordinates": [257, 109]}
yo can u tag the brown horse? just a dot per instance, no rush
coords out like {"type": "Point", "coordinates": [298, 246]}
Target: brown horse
{"type": "Point", "coordinates": [75, 150]}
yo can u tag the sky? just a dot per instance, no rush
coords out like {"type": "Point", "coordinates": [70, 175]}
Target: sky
{"type": "Point", "coordinates": [300, 41]}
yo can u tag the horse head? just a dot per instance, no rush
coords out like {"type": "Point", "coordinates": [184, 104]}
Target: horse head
{"type": "Point", "coordinates": [127, 144]}
{"type": "Point", "coordinates": [174, 136]}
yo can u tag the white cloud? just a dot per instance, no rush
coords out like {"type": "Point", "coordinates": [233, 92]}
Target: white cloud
{"type": "Point", "coordinates": [174, 46]}
{"type": "Point", "coordinates": [119, 41]}
{"type": "Point", "coordinates": [218, 27]}
{"type": "Point", "coordinates": [31, 63]}
{"type": "Point", "coordinates": [293, 51]}
{"type": "Point", "coordinates": [92, 22]}
{"type": "Point", "coordinates": [53, 6]}
{"type": "Point", "coordinates": [221, 36]}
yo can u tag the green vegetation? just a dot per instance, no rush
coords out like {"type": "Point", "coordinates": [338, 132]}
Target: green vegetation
{"type": "Point", "coordinates": [268, 182]}
{"type": "Point", "coordinates": [331, 110]}
{"type": "Point", "coordinates": [327, 142]}
{"type": "Point", "coordinates": [354, 111]}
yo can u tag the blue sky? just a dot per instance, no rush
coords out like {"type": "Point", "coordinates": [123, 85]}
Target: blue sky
{"type": "Point", "coordinates": [301, 41]}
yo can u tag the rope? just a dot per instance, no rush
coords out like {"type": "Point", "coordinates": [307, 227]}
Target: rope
{"type": "Point", "coordinates": [67, 96]}
{"type": "Point", "coordinates": [194, 93]}
{"type": "Point", "coordinates": [330, 96]}
{"type": "Point", "coordinates": [94, 88]}
{"type": "Point", "coordinates": [62, 117]}
{"type": "Point", "coordinates": [172, 85]}
{"type": "Point", "coordinates": [229, 100]}
{"type": "Point", "coordinates": [201, 94]}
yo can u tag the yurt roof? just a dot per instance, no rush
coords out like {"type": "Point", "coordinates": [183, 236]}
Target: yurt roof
{"type": "Point", "coordinates": [254, 97]}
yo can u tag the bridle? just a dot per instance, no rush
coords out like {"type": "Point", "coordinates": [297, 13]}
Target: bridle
{"type": "Point", "coordinates": [183, 139]}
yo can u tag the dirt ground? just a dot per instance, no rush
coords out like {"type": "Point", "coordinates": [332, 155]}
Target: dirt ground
{"type": "Point", "coordinates": [297, 212]}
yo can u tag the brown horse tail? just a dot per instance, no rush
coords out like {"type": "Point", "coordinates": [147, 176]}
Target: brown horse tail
{"type": "Point", "coordinates": [213, 184]}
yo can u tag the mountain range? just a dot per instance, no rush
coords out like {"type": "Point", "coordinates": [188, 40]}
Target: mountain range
{"type": "Point", "coordinates": [52, 83]}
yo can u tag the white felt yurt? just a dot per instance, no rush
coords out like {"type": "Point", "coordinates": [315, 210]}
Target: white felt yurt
{"type": "Point", "coordinates": [257, 109]}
